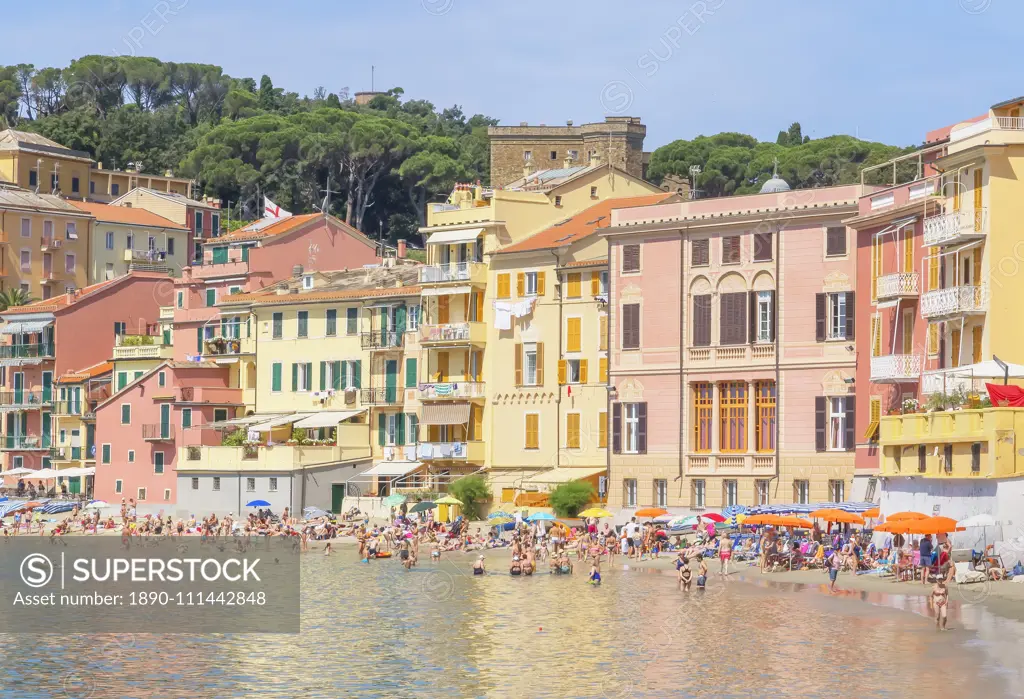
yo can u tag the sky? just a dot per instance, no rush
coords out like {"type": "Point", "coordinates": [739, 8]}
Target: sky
{"type": "Point", "coordinates": [882, 70]}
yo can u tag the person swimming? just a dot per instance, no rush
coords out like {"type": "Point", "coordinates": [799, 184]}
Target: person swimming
{"type": "Point", "coordinates": [478, 566]}
{"type": "Point", "coordinates": [516, 568]}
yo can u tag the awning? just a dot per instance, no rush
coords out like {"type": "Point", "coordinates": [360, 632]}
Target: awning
{"type": "Point", "coordinates": [278, 422]}
{"type": "Point", "coordinates": [25, 326]}
{"type": "Point", "coordinates": [887, 304]}
{"type": "Point", "coordinates": [327, 418]}
{"type": "Point", "coordinates": [564, 475]}
{"type": "Point", "coordinates": [76, 472]}
{"type": "Point", "coordinates": [895, 225]}
{"type": "Point", "coordinates": [446, 291]}
{"type": "Point", "coordinates": [459, 235]}
{"type": "Point", "coordinates": [392, 468]}
{"type": "Point", "coordinates": [445, 414]}
{"type": "Point", "coordinates": [241, 421]}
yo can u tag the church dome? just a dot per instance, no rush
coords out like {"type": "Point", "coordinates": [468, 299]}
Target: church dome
{"type": "Point", "coordinates": [775, 184]}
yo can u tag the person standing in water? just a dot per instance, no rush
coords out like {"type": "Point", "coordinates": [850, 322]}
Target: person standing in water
{"type": "Point", "coordinates": [702, 572]}
{"type": "Point", "coordinates": [940, 599]}
{"type": "Point", "coordinates": [724, 555]}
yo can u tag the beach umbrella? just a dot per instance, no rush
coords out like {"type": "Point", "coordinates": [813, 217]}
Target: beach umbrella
{"type": "Point", "coordinates": [650, 512]}
{"type": "Point", "coordinates": [595, 512]}
{"type": "Point", "coordinates": [794, 521]}
{"type": "Point", "coordinates": [683, 521]}
{"type": "Point", "coordinates": [500, 520]}
{"type": "Point", "coordinates": [841, 516]}
{"type": "Point", "coordinates": [257, 503]}
{"type": "Point", "coordinates": [665, 518]}
{"type": "Point", "coordinates": [904, 516]}
{"type": "Point", "coordinates": [978, 521]}
{"type": "Point", "coordinates": [394, 500]}
{"type": "Point", "coordinates": [714, 517]}
{"type": "Point", "coordinates": [422, 506]}
{"type": "Point", "coordinates": [18, 472]}
{"type": "Point", "coordinates": [870, 514]}
{"type": "Point", "coordinates": [314, 513]}
{"type": "Point", "coordinates": [448, 500]}
{"type": "Point", "coordinates": [935, 525]}
{"type": "Point", "coordinates": [501, 515]}
{"type": "Point", "coordinates": [96, 505]}
{"type": "Point", "coordinates": [541, 517]}
{"type": "Point", "coordinates": [757, 520]}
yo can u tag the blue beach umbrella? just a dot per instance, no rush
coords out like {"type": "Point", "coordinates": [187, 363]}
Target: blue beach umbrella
{"type": "Point", "coordinates": [541, 517]}
{"type": "Point", "coordinates": [500, 515]}
{"type": "Point", "coordinates": [257, 503]}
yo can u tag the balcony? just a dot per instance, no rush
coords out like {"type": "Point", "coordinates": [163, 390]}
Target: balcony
{"type": "Point", "coordinates": [454, 333]}
{"type": "Point", "coordinates": [158, 433]}
{"type": "Point", "coordinates": [965, 444]}
{"type": "Point", "coordinates": [473, 272]}
{"type": "Point", "coordinates": [1009, 131]}
{"type": "Point", "coordinates": [451, 451]}
{"type": "Point", "coordinates": [732, 354]}
{"type": "Point", "coordinates": [383, 340]}
{"type": "Point", "coordinates": [954, 301]}
{"type": "Point", "coordinates": [955, 227]}
{"type": "Point", "coordinates": [951, 381]}
{"type": "Point", "coordinates": [896, 368]}
{"type": "Point", "coordinates": [452, 390]}
{"type": "Point", "coordinates": [213, 395]}
{"type": "Point", "coordinates": [731, 464]}
{"type": "Point", "coordinates": [230, 346]}
{"type": "Point", "coordinates": [381, 396]}
{"type": "Point", "coordinates": [146, 260]}
{"type": "Point", "coordinates": [15, 355]}
{"type": "Point", "coordinates": [898, 286]}
{"type": "Point", "coordinates": [24, 400]}
{"type": "Point", "coordinates": [48, 276]}
{"type": "Point", "coordinates": [67, 453]}
{"type": "Point", "coordinates": [353, 443]}
{"type": "Point", "coordinates": [24, 443]}
{"type": "Point", "coordinates": [141, 347]}
{"type": "Point", "coordinates": [49, 244]}
{"type": "Point", "coordinates": [214, 270]}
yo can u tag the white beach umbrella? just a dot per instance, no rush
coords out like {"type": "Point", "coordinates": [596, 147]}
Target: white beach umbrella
{"type": "Point", "coordinates": [989, 369]}
{"type": "Point", "coordinates": [978, 521]}
{"type": "Point", "coordinates": [96, 505]}
{"type": "Point", "coordinates": [19, 472]}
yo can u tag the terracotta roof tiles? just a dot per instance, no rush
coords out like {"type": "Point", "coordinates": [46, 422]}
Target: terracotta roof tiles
{"type": "Point", "coordinates": [125, 215]}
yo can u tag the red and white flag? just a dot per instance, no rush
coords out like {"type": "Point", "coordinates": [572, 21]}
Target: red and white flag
{"type": "Point", "coordinates": [272, 210]}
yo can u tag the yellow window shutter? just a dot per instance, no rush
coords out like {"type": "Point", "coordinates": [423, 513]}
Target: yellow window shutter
{"type": "Point", "coordinates": [977, 267]}
{"type": "Point", "coordinates": [908, 250]}
{"type": "Point", "coordinates": [603, 331]}
{"type": "Point", "coordinates": [602, 430]}
{"type": "Point", "coordinates": [602, 370]}
{"type": "Point", "coordinates": [595, 283]}
{"type": "Point", "coordinates": [583, 371]}
{"type": "Point", "coordinates": [504, 286]}
{"type": "Point", "coordinates": [442, 310]}
{"type": "Point", "coordinates": [540, 283]}
{"type": "Point", "coordinates": [876, 337]}
{"type": "Point", "coordinates": [874, 269]}
{"type": "Point", "coordinates": [954, 342]}
{"type": "Point", "coordinates": [572, 430]}
{"type": "Point", "coordinates": [977, 193]}
{"type": "Point", "coordinates": [875, 416]}
{"type": "Point", "coordinates": [574, 280]}
{"type": "Point", "coordinates": [508, 494]}
{"type": "Point", "coordinates": [572, 343]}
{"type": "Point", "coordinates": [540, 363]}
{"type": "Point", "coordinates": [466, 375]}
{"type": "Point", "coordinates": [933, 338]}
{"type": "Point", "coordinates": [479, 306]}
{"type": "Point", "coordinates": [519, 365]}
{"type": "Point", "coordinates": [933, 268]}
{"type": "Point", "coordinates": [521, 284]}
{"type": "Point", "coordinates": [976, 343]}
{"type": "Point", "coordinates": [532, 441]}
{"type": "Point", "coordinates": [956, 192]}
{"type": "Point", "coordinates": [561, 372]}
{"type": "Point", "coordinates": [478, 423]}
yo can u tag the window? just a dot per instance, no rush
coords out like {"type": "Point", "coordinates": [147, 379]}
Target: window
{"type": "Point", "coordinates": [332, 322]}
{"type": "Point", "coordinates": [412, 320]}
{"type": "Point", "coordinates": [122, 379]}
{"type": "Point", "coordinates": [250, 485]}
{"type": "Point", "coordinates": [575, 371]}
{"type": "Point", "coordinates": [660, 492]}
{"type": "Point", "coordinates": [802, 492]}
{"type": "Point", "coordinates": [195, 484]}
{"type": "Point", "coordinates": [602, 430]}
{"type": "Point", "coordinates": [303, 323]}
{"type": "Point", "coordinates": [115, 189]}
{"type": "Point", "coordinates": [302, 376]}
{"type": "Point", "coordinates": [593, 192]}
{"type": "Point", "coordinates": [700, 252]}
{"type": "Point", "coordinates": [158, 462]}
{"type": "Point", "coordinates": [602, 333]}
{"type": "Point", "coordinates": [167, 494]}
{"type": "Point", "coordinates": [947, 458]}
{"type": "Point", "coordinates": [733, 318]}
{"type": "Point", "coordinates": [216, 482]}
{"type": "Point", "coordinates": [220, 414]}
{"type": "Point", "coordinates": [26, 261]}
{"type": "Point", "coordinates": [126, 414]}
{"type": "Point", "coordinates": [278, 326]}
{"type": "Point", "coordinates": [558, 200]}
{"type": "Point", "coordinates": [529, 284]}
{"type": "Point", "coordinates": [572, 431]}
{"type": "Point", "coordinates": [161, 379]}
{"type": "Point", "coordinates": [105, 453]}
{"type": "Point", "coordinates": [75, 185]}
{"type": "Point", "coordinates": [553, 155]}
{"type": "Point", "coordinates": [211, 297]}
{"type": "Point", "coordinates": [71, 230]}
{"type": "Point", "coordinates": [197, 226]}
{"type": "Point", "coordinates": [730, 250]}
{"type": "Point", "coordinates": [703, 414]}
{"type": "Point", "coordinates": [765, 404]}
{"type": "Point", "coordinates": [837, 316]}
{"type": "Point", "coordinates": [630, 258]}
{"type": "Point", "coordinates": [527, 156]}
{"type": "Point", "coordinates": [765, 312]}
{"type": "Point", "coordinates": [170, 246]}
{"type": "Point", "coordinates": [26, 228]}
{"type": "Point", "coordinates": [573, 334]}
{"type": "Point", "coordinates": [530, 364]}
{"type": "Point", "coordinates": [532, 437]}
{"type": "Point", "coordinates": [351, 321]}
{"type": "Point", "coordinates": [836, 491]}
{"type": "Point", "coordinates": [504, 285]}
{"type": "Point", "coordinates": [54, 182]}
{"type": "Point", "coordinates": [574, 285]}
{"type": "Point", "coordinates": [762, 247]}
{"type": "Point", "coordinates": [833, 423]}
{"type": "Point", "coordinates": [108, 271]}
{"type": "Point", "coordinates": [631, 326]}
{"type": "Point", "coordinates": [215, 224]}
{"type": "Point", "coordinates": [730, 492]}
{"type": "Point", "coordinates": [129, 242]}
{"type": "Point", "coordinates": [33, 178]}
{"type": "Point", "coordinates": [835, 241]}
{"type": "Point", "coordinates": [629, 492]}
{"type": "Point", "coordinates": [702, 320]}
{"type": "Point", "coordinates": [602, 283]}
{"type": "Point", "coordinates": [118, 486]}
{"type": "Point", "coordinates": [698, 494]}
{"type": "Point", "coordinates": [186, 418]}
{"type": "Point", "coordinates": [732, 398]}
{"type": "Point", "coordinates": [834, 316]}
{"type": "Point", "coordinates": [976, 457]}
{"type": "Point", "coordinates": [109, 241]}
{"type": "Point", "coordinates": [635, 427]}
{"type": "Point", "coordinates": [120, 327]}
{"type": "Point", "coordinates": [307, 281]}
{"type": "Point", "coordinates": [761, 491]}
{"type": "Point", "coordinates": [92, 187]}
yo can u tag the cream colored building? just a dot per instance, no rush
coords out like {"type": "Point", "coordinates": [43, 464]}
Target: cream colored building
{"type": "Point", "coordinates": [128, 239]}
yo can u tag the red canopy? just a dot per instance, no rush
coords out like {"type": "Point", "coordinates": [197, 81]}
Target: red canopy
{"type": "Point", "coordinates": [1005, 396]}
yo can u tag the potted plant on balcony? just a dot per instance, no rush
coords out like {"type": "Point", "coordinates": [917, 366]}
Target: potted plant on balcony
{"type": "Point", "coordinates": [910, 406]}
{"type": "Point", "coordinates": [236, 346]}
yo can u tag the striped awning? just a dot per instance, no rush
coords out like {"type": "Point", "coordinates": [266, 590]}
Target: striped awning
{"type": "Point", "coordinates": [327, 418]}
{"type": "Point", "coordinates": [18, 327]}
{"type": "Point", "coordinates": [564, 475]}
{"type": "Point", "coordinates": [445, 414]}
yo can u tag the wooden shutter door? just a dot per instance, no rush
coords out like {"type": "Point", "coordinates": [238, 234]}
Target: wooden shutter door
{"type": "Point", "coordinates": [820, 421]}
{"type": "Point", "coordinates": [541, 281]}
{"type": "Point", "coordinates": [908, 250]}
{"type": "Point", "coordinates": [641, 432]}
{"type": "Point", "coordinates": [774, 315]}
{"type": "Point", "coordinates": [595, 283]}
{"type": "Point", "coordinates": [976, 344]}
{"type": "Point", "coordinates": [851, 418]}
{"type": "Point", "coordinates": [702, 321]}
{"type": "Point", "coordinates": [851, 315]}
{"type": "Point", "coordinates": [820, 315]}
{"type": "Point", "coordinates": [617, 428]}
{"type": "Point", "coordinates": [752, 317]}
{"type": "Point", "coordinates": [442, 310]}
{"type": "Point", "coordinates": [521, 284]}
{"type": "Point", "coordinates": [540, 363]}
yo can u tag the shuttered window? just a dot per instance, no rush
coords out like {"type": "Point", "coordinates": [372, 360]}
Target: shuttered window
{"type": "Point", "coordinates": [630, 258]}
{"type": "Point", "coordinates": [731, 250]}
{"type": "Point", "coordinates": [762, 247]}
{"type": "Point", "coordinates": [835, 241]}
{"type": "Point", "coordinates": [631, 326]}
{"type": "Point", "coordinates": [574, 282]}
{"type": "Point", "coordinates": [602, 430]}
{"type": "Point", "coordinates": [732, 398]}
{"type": "Point", "coordinates": [703, 414]}
{"type": "Point", "coordinates": [733, 328]}
{"type": "Point", "coordinates": [602, 370]}
{"type": "Point", "coordinates": [573, 335]}
{"type": "Point", "coordinates": [702, 320]}
{"type": "Point", "coordinates": [700, 251]}
{"type": "Point", "coordinates": [504, 286]}
{"type": "Point", "coordinates": [532, 440]}
{"type": "Point", "coordinates": [572, 431]}
{"type": "Point", "coordinates": [603, 333]}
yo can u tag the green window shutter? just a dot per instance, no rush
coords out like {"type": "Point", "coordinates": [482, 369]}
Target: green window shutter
{"type": "Point", "coordinates": [211, 297]}
{"type": "Point", "coordinates": [336, 376]}
{"type": "Point", "coordinates": [400, 320]}
{"type": "Point", "coordinates": [382, 422]}
{"type": "Point", "coordinates": [106, 453]}
{"type": "Point", "coordinates": [383, 319]}
{"type": "Point", "coordinates": [410, 372]}
{"type": "Point", "coordinates": [323, 376]}
{"type": "Point", "coordinates": [295, 377]}
{"type": "Point", "coordinates": [344, 378]}
{"type": "Point", "coordinates": [122, 379]}
{"type": "Point", "coordinates": [358, 374]}
{"type": "Point", "coordinates": [332, 321]}
{"type": "Point", "coordinates": [126, 414]}
{"type": "Point", "coordinates": [199, 340]}
{"type": "Point", "coordinates": [186, 418]}
{"type": "Point", "coordinates": [400, 438]}
{"type": "Point", "coordinates": [309, 376]}
{"type": "Point", "coordinates": [275, 376]}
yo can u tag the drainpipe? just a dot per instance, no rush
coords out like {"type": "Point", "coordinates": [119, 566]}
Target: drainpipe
{"type": "Point", "coordinates": [778, 372]}
{"type": "Point", "coordinates": [682, 339]}
{"type": "Point", "coordinates": [608, 385]}
{"type": "Point", "coordinates": [558, 401]}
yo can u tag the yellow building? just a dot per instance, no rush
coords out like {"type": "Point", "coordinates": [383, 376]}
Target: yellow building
{"type": "Point", "coordinates": [127, 239]}
{"type": "Point", "coordinates": [39, 164]}
{"type": "Point", "coordinates": [45, 243]}
{"type": "Point", "coordinates": [477, 411]}
{"type": "Point", "coordinates": [74, 423]}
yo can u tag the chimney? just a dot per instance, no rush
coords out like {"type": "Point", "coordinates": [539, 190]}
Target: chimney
{"type": "Point", "coordinates": [297, 271]}
{"type": "Point", "coordinates": [568, 162]}
{"type": "Point", "coordinates": [401, 248]}
{"type": "Point", "coordinates": [595, 158]}
{"type": "Point", "coordinates": [69, 297]}
{"type": "Point", "coordinates": [527, 170]}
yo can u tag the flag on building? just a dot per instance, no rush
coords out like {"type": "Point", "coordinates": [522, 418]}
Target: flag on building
{"type": "Point", "coordinates": [272, 210]}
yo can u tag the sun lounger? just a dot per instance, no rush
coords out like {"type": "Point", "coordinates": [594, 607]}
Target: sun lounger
{"type": "Point", "coordinates": [964, 574]}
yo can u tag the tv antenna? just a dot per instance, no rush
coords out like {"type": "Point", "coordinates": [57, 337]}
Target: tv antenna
{"type": "Point", "coordinates": [694, 173]}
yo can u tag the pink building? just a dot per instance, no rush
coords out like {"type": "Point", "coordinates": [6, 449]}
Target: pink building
{"type": "Point", "coordinates": [50, 338]}
{"type": "Point", "coordinates": [733, 349]}
{"type": "Point", "coordinates": [251, 258]}
{"type": "Point", "coordinates": [140, 428]}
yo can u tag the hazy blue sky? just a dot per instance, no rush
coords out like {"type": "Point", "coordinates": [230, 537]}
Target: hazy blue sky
{"type": "Point", "coordinates": [885, 70]}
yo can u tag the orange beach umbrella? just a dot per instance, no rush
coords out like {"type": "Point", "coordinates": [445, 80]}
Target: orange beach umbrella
{"type": "Point", "coordinates": [834, 515]}
{"type": "Point", "coordinates": [934, 525]}
{"type": "Point", "coordinates": [871, 514]}
{"type": "Point", "coordinates": [650, 512]}
{"type": "Point", "coordinates": [903, 516]}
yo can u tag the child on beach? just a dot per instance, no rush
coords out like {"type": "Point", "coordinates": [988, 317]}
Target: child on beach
{"type": "Point", "coordinates": [702, 572]}
{"type": "Point", "coordinates": [595, 571]}
{"type": "Point", "coordinates": [940, 598]}
{"type": "Point", "coordinates": [835, 562]}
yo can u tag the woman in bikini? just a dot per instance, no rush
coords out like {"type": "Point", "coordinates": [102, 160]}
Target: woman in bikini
{"type": "Point", "coordinates": [940, 598]}
{"type": "Point", "coordinates": [685, 575]}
